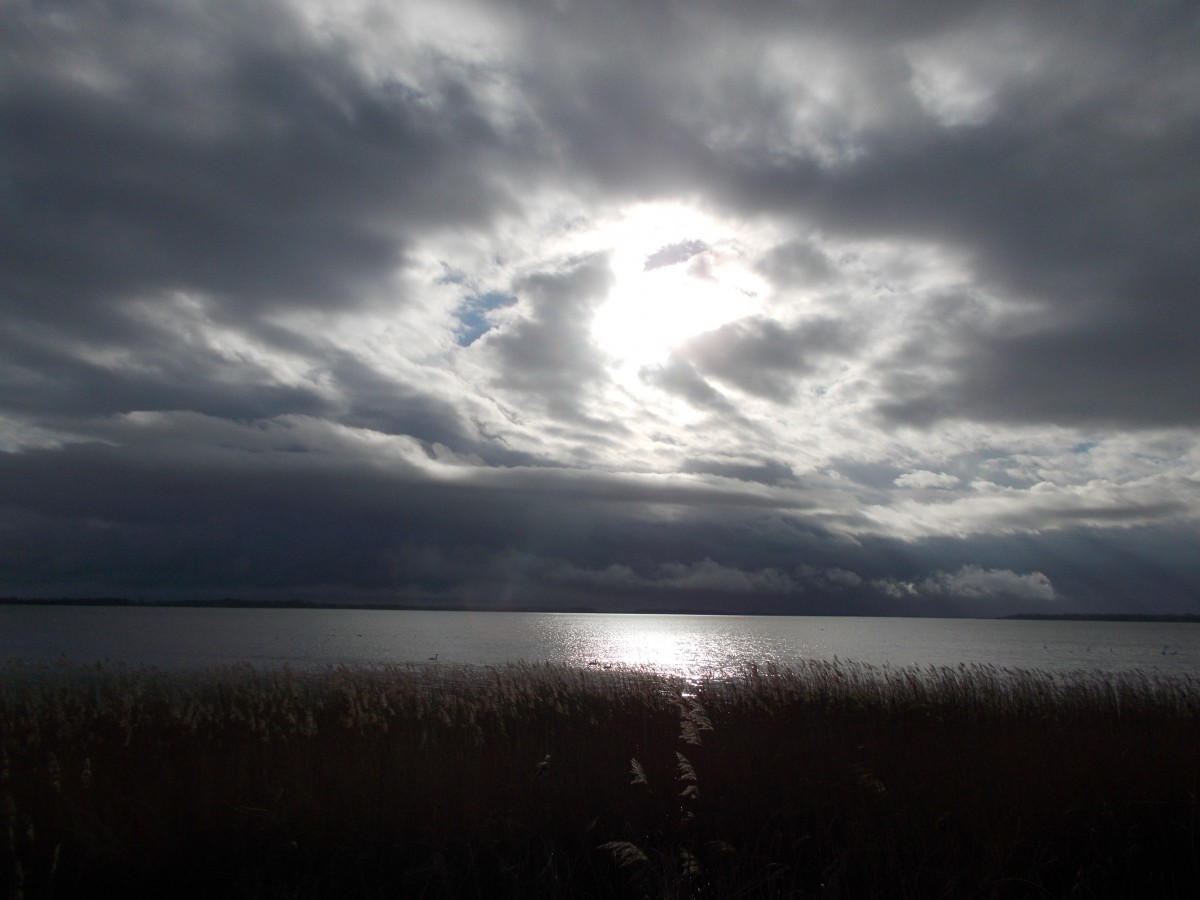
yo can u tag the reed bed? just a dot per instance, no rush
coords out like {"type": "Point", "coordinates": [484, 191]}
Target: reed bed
{"type": "Point", "coordinates": [827, 780]}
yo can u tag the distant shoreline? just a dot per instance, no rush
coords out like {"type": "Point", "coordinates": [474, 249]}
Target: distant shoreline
{"type": "Point", "coordinates": [1106, 617]}
{"type": "Point", "coordinates": [235, 603]}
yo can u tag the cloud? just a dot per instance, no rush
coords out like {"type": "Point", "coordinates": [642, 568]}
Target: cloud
{"type": "Point", "coordinates": [672, 254]}
{"type": "Point", "coordinates": [680, 377]}
{"type": "Point", "coordinates": [547, 355]}
{"type": "Point", "coordinates": [923, 478]}
{"type": "Point", "coordinates": [233, 155]}
{"type": "Point", "coordinates": [760, 471]}
{"type": "Point", "coordinates": [702, 576]}
{"type": "Point", "coordinates": [971, 588]}
{"type": "Point", "coordinates": [320, 297]}
{"type": "Point", "coordinates": [796, 262]}
{"type": "Point", "coordinates": [475, 315]}
{"type": "Point", "coordinates": [763, 357]}
{"type": "Point", "coordinates": [973, 582]}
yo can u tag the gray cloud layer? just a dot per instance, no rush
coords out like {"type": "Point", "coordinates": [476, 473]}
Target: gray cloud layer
{"type": "Point", "coordinates": [838, 308]}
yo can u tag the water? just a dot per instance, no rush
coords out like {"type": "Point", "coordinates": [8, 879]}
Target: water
{"type": "Point", "coordinates": [691, 646]}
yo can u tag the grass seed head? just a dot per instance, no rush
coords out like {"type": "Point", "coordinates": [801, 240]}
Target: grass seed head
{"type": "Point", "coordinates": [639, 774]}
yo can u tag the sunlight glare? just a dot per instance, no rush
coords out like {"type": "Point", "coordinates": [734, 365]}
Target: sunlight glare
{"type": "Point", "coordinates": [661, 649]}
{"type": "Point", "coordinates": [677, 273]}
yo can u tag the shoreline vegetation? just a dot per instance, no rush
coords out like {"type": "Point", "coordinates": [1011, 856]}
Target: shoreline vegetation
{"type": "Point", "coordinates": [237, 603]}
{"type": "Point", "coordinates": [831, 780]}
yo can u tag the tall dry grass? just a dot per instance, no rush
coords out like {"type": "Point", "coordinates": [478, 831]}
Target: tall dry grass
{"type": "Point", "coordinates": [829, 780]}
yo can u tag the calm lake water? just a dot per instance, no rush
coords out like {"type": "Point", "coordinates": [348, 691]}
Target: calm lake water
{"type": "Point", "coordinates": [691, 646]}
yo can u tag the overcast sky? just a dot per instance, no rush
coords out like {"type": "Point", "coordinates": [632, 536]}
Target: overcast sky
{"type": "Point", "coordinates": [804, 306]}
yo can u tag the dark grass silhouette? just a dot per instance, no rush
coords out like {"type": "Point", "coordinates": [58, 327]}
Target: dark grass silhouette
{"type": "Point", "coordinates": [831, 780]}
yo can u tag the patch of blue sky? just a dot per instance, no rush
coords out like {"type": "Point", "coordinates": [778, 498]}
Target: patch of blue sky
{"type": "Point", "coordinates": [474, 315]}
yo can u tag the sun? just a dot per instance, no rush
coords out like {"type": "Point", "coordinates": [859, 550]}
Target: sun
{"type": "Point", "coordinates": [676, 273]}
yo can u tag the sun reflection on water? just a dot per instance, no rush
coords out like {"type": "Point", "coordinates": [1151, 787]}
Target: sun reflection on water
{"type": "Point", "coordinates": [656, 647]}
{"type": "Point", "coordinates": [662, 644]}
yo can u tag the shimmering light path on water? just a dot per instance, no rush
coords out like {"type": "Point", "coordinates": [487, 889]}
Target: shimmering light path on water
{"type": "Point", "coordinates": [685, 645]}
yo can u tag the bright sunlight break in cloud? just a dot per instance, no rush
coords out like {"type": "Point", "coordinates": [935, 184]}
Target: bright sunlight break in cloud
{"type": "Point", "coordinates": [770, 306]}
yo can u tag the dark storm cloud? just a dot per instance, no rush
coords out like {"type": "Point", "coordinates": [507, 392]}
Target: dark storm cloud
{"type": "Point", "coordinates": [284, 510]}
{"type": "Point", "coordinates": [152, 148]}
{"type": "Point", "coordinates": [228, 363]}
{"type": "Point", "coordinates": [796, 263]}
{"type": "Point", "coordinates": [285, 515]}
{"type": "Point", "coordinates": [1072, 187]}
{"type": "Point", "coordinates": [48, 379]}
{"type": "Point", "coordinates": [756, 355]}
{"type": "Point", "coordinates": [764, 358]}
{"type": "Point", "coordinates": [268, 172]}
{"type": "Point", "coordinates": [760, 471]}
{"type": "Point", "coordinates": [390, 406]}
{"type": "Point", "coordinates": [171, 522]}
{"type": "Point", "coordinates": [1077, 199]}
{"type": "Point", "coordinates": [1082, 372]}
{"type": "Point", "coordinates": [680, 377]}
{"type": "Point", "coordinates": [547, 356]}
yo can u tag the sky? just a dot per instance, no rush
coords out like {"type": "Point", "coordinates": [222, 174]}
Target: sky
{"type": "Point", "coordinates": [809, 307]}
